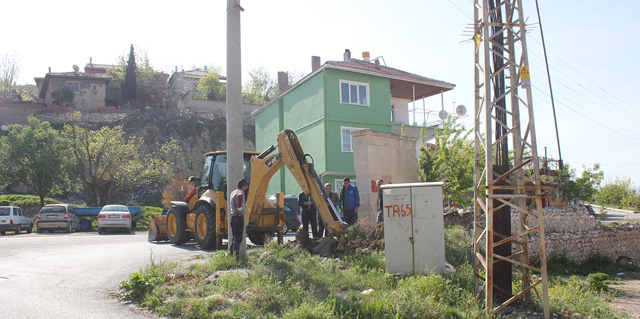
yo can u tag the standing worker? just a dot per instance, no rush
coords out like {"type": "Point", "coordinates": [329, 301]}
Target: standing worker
{"type": "Point", "coordinates": [335, 200]}
{"type": "Point", "coordinates": [380, 202]}
{"type": "Point", "coordinates": [236, 216]}
{"type": "Point", "coordinates": [308, 214]}
{"type": "Point", "coordinates": [349, 201]}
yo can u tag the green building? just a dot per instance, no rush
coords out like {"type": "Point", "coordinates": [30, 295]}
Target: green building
{"type": "Point", "coordinates": [333, 100]}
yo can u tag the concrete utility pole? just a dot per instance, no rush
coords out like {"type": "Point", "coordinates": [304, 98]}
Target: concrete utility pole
{"type": "Point", "coordinates": [234, 104]}
{"type": "Point", "coordinates": [501, 55]}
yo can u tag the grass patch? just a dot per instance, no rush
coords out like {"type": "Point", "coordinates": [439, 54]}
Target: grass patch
{"type": "Point", "coordinates": [24, 200]}
{"type": "Point", "coordinates": [283, 282]}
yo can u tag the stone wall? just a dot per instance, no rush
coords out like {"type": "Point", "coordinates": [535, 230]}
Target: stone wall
{"type": "Point", "coordinates": [573, 232]}
{"type": "Point", "coordinates": [381, 155]}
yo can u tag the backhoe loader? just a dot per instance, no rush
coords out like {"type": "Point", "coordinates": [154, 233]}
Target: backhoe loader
{"type": "Point", "coordinates": [203, 213]}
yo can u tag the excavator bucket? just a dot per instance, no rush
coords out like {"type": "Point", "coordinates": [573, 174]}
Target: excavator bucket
{"type": "Point", "coordinates": [157, 228]}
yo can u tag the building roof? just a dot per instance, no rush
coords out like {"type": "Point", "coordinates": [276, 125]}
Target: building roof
{"type": "Point", "coordinates": [196, 74]}
{"type": "Point", "coordinates": [97, 66]}
{"type": "Point", "coordinates": [403, 84]}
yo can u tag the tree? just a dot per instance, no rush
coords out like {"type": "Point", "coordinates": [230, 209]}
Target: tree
{"type": "Point", "coordinates": [618, 192]}
{"type": "Point", "coordinates": [129, 87]}
{"type": "Point", "coordinates": [64, 96]}
{"type": "Point", "coordinates": [36, 156]}
{"type": "Point", "coordinates": [108, 160]}
{"type": "Point", "coordinates": [451, 161]}
{"type": "Point", "coordinates": [9, 71]}
{"type": "Point", "coordinates": [584, 187]}
{"type": "Point", "coordinates": [152, 87]}
{"type": "Point", "coordinates": [210, 87]}
{"type": "Point", "coordinates": [261, 87]}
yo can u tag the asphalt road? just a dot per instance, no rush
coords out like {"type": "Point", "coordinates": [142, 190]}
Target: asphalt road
{"type": "Point", "coordinates": [76, 275]}
{"type": "Point", "coordinates": [614, 215]}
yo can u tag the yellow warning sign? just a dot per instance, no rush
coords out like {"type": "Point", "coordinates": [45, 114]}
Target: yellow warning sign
{"type": "Point", "coordinates": [477, 38]}
{"type": "Point", "coordinates": [524, 72]}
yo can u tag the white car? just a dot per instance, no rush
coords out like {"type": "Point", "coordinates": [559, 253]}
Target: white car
{"type": "Point", "coordinates": [114, 217]}
{"type": "Point", "coordinates": [14, 218]}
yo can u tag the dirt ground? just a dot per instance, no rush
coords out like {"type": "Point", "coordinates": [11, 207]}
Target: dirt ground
{"type": "Point", "coordinates": [630, 303]}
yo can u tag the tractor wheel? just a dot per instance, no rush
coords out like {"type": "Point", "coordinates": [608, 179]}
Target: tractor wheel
{"type": "Point", "coordinates": [177, 226]}
{"type": "Point", "coordinates": [259, 238]}
{"type": "Point", "coordinates": [205, 227]}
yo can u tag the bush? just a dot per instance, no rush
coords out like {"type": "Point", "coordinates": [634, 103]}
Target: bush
{"type": "Point", "coordinates": [598, 281]}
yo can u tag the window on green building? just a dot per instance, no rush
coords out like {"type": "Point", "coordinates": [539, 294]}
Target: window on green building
{"type": "Point", "coordinates": [347, 140]}
{"type": "Point", "coordinates": [354, 93]}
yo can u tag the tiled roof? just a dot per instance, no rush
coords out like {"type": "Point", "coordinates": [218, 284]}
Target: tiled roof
{"type": "Point", "coordinates": [98, 66]}
{"type": "Point", "coordinates": [197, 74]}
{"type": "Point", "coordinates": [79, 74]}
{"type": "Point", "coordinates": [384, 71]}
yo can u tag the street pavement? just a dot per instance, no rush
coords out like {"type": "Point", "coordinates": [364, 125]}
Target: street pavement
{"type": "Point", "coordinates": [76, 275]}
{"type": "Point", "coordinates": [616, 215]}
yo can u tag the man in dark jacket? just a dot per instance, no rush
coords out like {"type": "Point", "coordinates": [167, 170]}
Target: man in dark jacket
{"type": "Point", "coordinates": [380, 202]}
{"type": "Point", "coordinates": [308, 214]}
{"type": "Point", "coordinates": [349, 201]}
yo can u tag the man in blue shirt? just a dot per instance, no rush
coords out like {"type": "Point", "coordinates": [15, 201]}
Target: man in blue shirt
{"type": "Point", "coordinates": [349, 201]}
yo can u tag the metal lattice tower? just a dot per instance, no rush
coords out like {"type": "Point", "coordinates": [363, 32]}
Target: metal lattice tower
{"type": "Point", "coordinates": [502, 179]}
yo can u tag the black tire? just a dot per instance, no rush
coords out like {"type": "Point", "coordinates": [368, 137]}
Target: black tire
{"type": "Point", "coordinates": [134, 224]}
{"type": "Point", "coordinates": [285, 228]}
{"type": "Point", "coordinates": [2, 232]}
{"type": "Point", "coordinates": [39, 230]}
{"type": "Point", "coordinates": [100, 230]}
{"type": "Point", "coordinates": [30, 229]}
{"type": "Point", "coordinates": [259, 238]}
{"type": "Point", "coordinates": [18, 229]}
{"type": "Point", "coordinates": [205, 226]}
{"type": "Point", "coordinates": [68, 230]}
{"type": "Point", "coordinates": [177, 226]}
{"type": "Point", "coordinates": [84, 225]}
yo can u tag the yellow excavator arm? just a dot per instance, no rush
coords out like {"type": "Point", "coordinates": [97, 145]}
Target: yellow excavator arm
{"type": "Point", "coordinates": [291, 155]}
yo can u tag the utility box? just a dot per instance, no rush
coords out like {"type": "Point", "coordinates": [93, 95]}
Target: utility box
{"type": "Point", "coordinates": [413, 228]}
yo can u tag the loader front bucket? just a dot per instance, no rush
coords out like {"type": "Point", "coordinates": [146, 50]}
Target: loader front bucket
{"type": "Point", "coordinates": [157, 228]}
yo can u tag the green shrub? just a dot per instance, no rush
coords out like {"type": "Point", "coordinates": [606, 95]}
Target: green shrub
{"type": "Point", "coordinates": [140, 284]}
{"type": "Point", "coordinates": [598, 281]}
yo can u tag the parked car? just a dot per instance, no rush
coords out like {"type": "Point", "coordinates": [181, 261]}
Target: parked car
{"type": "Point", "coordinates": [14, 218]}
{"type": "Point", "coordinates": [291, 212]}
{"type": "Point", "coordinates": [57, 217]}
{"type": "Point", "coordinates": [114, 216]}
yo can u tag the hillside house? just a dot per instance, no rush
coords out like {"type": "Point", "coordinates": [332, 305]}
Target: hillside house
{"type": "Point", "coordinates": [89, 89]}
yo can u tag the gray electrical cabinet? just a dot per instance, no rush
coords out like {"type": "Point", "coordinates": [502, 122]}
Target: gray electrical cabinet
{"type": "Point", "coordinates": [413, 228]}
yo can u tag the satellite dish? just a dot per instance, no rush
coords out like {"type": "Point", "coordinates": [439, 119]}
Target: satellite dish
{"type": "Point", "coordinates": [442, 115]}
{"type": "Point", "coordinates": [461, 110]}
{"type": "Point", "coordinates": [76, 68]}
{"type": "Point", "coordinates": [4, 127]}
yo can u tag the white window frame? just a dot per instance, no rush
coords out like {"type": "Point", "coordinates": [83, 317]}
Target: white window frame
{"type": "Point", "coordinates": [351, 129]}
{"type": "Point", "coordinates": [339, 184]}
{"type": "Point", "coordinates": [357, 84]}
{"type": "Point", "coordinates": [66, 84]}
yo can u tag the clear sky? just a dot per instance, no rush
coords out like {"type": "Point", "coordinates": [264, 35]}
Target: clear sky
{"type": "Point", "coordinates": [592, 46]}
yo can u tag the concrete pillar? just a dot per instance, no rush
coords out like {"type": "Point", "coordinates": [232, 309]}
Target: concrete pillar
{"type": "Point", "coordinates": [315, 63]}
{"type": "Point", "coordinates": [234, 102]}
{"type": "Point", "coordinates": [283, 81]}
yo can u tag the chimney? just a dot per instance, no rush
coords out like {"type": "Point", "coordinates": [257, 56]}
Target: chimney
{"type": "Point", "coordinates": [347, 55]}
{"type": "Point", "coordinates": [49, 69]}
{"type": "Point", "coordinates": [176, 68]}
{"type": "Point", "coordinates": [315, 63]}
{"type": "Point", "coordinates": [365, 57]}
{"type": "Point", "coordinates": [377, 64]}
{"type": "Point", "coordinates": [91, 61]}
{"type": "Point", "coordinates": [283, 81]}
